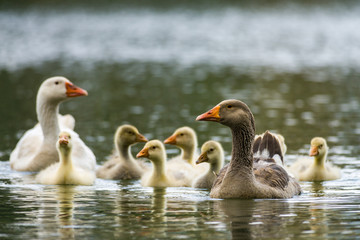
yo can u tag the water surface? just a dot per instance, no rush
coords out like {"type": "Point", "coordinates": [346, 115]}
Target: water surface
{"type": "Point", "coordinates": [158, 66]}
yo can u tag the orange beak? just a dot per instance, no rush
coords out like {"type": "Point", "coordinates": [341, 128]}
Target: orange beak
{"type": "Point", "coordinates": [143, 153]}
{"type": "Point", "coordinates": [141, 138]}
{"type": "Point", "coordinates": [74, 91]}
{"type": "Point", "coordinates": [211, 115]}
{"type": "Point", "coordinates": [171, 140]}
{"type": "Point", "coordinates": [202, 158]}
{"type": "Point", "coordinates": [314, 151]}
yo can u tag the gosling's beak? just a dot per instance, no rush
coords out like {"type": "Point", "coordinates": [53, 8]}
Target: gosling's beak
{"type": "Point", "coordinates": [211, 115]}
{"type": "Point", "coordinates": [74, 91]}
{"type": "Point", "coordinates": [140, 138]}
{"type": "Point", "coordinates": [170, 140]}
{"type": "Point", "coordinates": [202, 158]}
{"type": "Point", "coordinates": [143, 153]}
{"type": "Point", "coordinates": [63, 140]}
{"type": "Point", "coordinates": [314, 151]}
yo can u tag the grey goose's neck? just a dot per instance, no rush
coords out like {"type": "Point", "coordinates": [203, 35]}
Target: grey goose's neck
{"type": "Point", "coordinates": [242, 155]}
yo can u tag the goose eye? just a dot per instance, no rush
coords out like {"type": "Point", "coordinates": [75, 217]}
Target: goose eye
{"type": "Point", "coordinates": [320, 146]}
{"type": "Point", "coordinates": [211, 149]}
{"type": "Point", "coordinates": [181, 134]}
{"type": "Point", "coordinates": [69, 137]}
{"type": "Point", "coordinates": [229, 106]}
{"type": "Point", "coordinates": [153, 147]}
{"type": "Point", "coordinates": [57, 82]}
{"type": "Point", "coordinates": [131, 133]}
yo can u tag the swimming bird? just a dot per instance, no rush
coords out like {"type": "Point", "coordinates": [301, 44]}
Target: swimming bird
{"type": "Point", "coordinates": [64, 171]}
{"type": "Point", "coordinates": [122, 165]}
{"type": "Point", "coordinates": [212, 153]}
{"type": "Point", "coordinates": [243, 177]}
{"type": "Point", "coordinates": [160, 175]}
{"type": "Point", "coordinates": [318, 169]}
{"type": "Point", "coordinates": [37, 147]}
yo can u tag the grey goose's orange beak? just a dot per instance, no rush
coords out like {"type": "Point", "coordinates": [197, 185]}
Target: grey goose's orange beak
{"type": "Point", "coordinates": [211, 115]}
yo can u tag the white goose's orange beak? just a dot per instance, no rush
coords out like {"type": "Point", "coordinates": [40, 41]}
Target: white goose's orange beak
{"type": "Point", "coordinates": [314, 151]}
{"type": "Point", "coordinates": [143, 153]}
{"type": "Point", "coordinates": [171, 140]}
{"type": "Point", "coordinates": [211, 115]}
{"type": "Point", "coordinates": [74, 91]}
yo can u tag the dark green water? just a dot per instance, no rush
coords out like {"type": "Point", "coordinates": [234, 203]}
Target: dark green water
{"type": "Point", "coordinates": [159, 65]}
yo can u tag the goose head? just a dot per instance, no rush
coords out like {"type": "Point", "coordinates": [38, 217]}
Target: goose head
{"type": "Point", "coordinates": [184, 137]}
{"type": "Point", "coordinates": [153, 150]}
{"type": "Point", "coordinates": [318, 147]}
{"type": "Point", "coordinates": [64, 143]}
{"type": "Point", "coordinates": [211, 152]}
{"type": "Point", "coordinates": [231, 113]}
{"type": "Point", "coordinates": [128, 135]}
{"type": "Point", "coordinates": [57, 89]}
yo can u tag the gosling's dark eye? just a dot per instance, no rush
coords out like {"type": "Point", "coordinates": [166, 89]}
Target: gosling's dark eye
{"type": "Point", "coordinates": [56, 83]}
{"type": "Point", "coordinates": [320, 146]}
{"type": "Point", "coordinates": [153, 147]}
{"type": "Point", "coordinates": [131, 133]}
{"type": "Point", "coordinates": [229, 106]}
{"type": "Point", "coordinates": [211, 149]}
{"type": "Point", "coordinates": [181, 134]}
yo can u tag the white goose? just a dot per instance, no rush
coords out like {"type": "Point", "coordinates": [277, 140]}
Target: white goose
{"type": "Point", "coordinates": [37, 148]}
{"type": "Point", "coordinates": [64, 172]}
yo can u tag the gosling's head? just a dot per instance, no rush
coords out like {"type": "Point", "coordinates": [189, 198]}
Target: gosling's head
{"type": "Point", "coordinates": [183, 137]}
{"type": "Point", "coordinates": [64, 142]}
{"type": "Point", "coordinates": [211, 152]}
{"type": "Point", "coordinates": [128, 135]}
{"type": "Point", "coordinates": [319, 147]}
{"type": "Point", "coordinates": [153, 150]}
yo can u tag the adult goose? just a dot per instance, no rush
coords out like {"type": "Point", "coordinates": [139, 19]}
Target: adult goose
{"type": "Point", "coordinates": [318, 169]}
{"type": "Point", "coordinates": [37, 148]}
{"type": "Point", "coordinates": [212, 153]}
{"type": "Point", "coordinates": [122, 165]}
{"type": "Point", "coordinates": [64, 171]}
{"type": "Point", "coordinates": [243, 177]}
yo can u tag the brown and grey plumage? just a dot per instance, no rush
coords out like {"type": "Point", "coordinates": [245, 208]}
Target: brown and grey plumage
{"type": "Point", "coordinates": [122, 165]}
{"type": "Point", "coordinates": [243, 177]}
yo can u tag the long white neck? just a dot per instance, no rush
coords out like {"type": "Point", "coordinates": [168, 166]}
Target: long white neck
{"type": "Point", "coordinates": [47, 113]}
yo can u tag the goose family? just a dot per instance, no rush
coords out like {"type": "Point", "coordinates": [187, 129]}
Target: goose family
{"type": "Point", "coordinates": [213, 154]}
{"type": "Point", "coordinates": [64, 171]}
{"type": "Point", "coordinates": [256, 168]}
{"type": "Point", "coordinates": [37, 147]}
{"type": "Point", "coordinates": [318, 169]}
{"type": "Point", "coordinates": [122, 165]}
{"type": "Point", "coordinates": [243, 177]}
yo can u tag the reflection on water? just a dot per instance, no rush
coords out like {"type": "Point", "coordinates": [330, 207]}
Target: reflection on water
{"type": "Point", "coordinates": [158, 65]}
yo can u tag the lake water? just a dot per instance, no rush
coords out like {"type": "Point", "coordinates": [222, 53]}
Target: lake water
{"type": "Point", "coordinates": [158, 65]}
